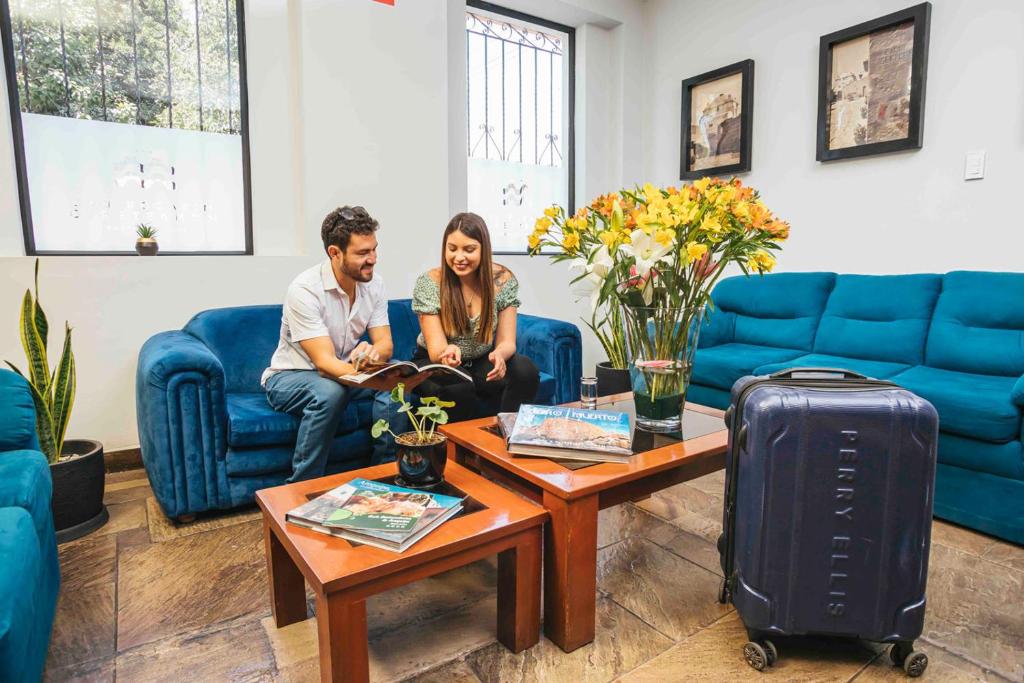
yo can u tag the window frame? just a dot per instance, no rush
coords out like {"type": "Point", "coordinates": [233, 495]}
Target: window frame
{"type": "Point", "coordinates": [570, 87]}
{"type": "Point", "coordinates": [17, 133]}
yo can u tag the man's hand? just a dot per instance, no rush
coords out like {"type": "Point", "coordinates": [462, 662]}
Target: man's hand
{"type": "Point", "coordinates": [498, 371]}
{"type": "Point", "coordinates": [451, 356]}
{"type": "Point", "coordinates": [363, 354]}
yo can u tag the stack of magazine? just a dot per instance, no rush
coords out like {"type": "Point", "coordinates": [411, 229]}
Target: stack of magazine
{"type": "Point", "coordinates": [563, 433]}
{"type": "Point", "coordinates": [377, 514]}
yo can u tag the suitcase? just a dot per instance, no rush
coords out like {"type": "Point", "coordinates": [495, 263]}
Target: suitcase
{"type": "Point", "coordinates": [828, 510]}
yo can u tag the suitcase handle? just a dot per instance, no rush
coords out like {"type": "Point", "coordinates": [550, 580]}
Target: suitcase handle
{"type": "Point", "coordinates": [790, 372]}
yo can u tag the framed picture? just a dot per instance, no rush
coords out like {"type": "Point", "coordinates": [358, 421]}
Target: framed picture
{"type": "Point", "coordinates": [718, 109]}
{"type": "Point", "coordinates": [871, 86]}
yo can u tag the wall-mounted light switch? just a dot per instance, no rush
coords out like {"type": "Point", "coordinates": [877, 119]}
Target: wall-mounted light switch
{"type": "Point", "coordinates": [974, 165]}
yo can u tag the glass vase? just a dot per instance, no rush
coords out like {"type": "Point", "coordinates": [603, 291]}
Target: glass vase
{"type": "Point", "coordinates": [660, 343]}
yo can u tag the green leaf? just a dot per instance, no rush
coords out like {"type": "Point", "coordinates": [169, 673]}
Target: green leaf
{"type": "Point", "coordinates": [398, 393]}
{"type": "Point", "coordinates": [44, 426]}
{"type": "Point", "coordinates": [428, 400]}
{"type": "Point", "coordinates": [405, 408]}
{"type": "Point", "coordinates": [41, 325]}
{"type": "Point", "coordinates": [428, 411]}
{"type": "Point", "coordinates": [63, 390]}
{"type": "Point", "coordinates": [14, 367]}
{"type": "Point", "coordinates": [442, 418]}
{"type": "Point", "coordinates": [378, 428]}
{"type": "Point", "coordinates": [35, 352]}
{"type": "Point", "coordinates": [445, 404]}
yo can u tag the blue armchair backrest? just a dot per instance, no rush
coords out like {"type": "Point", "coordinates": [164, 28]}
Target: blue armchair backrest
{"type": "Point", "coordinates": [17, 413]}
{"type": "Point", "coordinates": [978, 325]}
{"type": "Point", "coordinates": [244, 338]}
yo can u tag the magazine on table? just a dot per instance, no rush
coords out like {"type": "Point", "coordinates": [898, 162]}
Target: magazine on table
{"type": "Point", "coordinates": [390, 374]}
{"type": "Point", "coordinates": [565, 433]}
{"type": "Point", "coordinates": [377, 514]}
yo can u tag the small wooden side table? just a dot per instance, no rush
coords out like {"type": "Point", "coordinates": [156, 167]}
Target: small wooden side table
{"type": "Point", "coordinates": [343, 574]}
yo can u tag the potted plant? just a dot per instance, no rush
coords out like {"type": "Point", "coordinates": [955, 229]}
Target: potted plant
{"type": "Point", "coordinates": [146, 244]}
{"type": "Point", "coordinates": [422, 453]}
{"type": "Point", "coordinates": [654, 254]}
{"type": "Point", "coordinates": [76, 465]}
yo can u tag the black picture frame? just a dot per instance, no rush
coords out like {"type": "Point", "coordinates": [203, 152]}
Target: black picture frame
{"type": "Point", "coordinates": [920, 15]}
{"type": "Point", "coordinates": [21, 170]}
{"type": "Point", "coordinates": [686, 142]}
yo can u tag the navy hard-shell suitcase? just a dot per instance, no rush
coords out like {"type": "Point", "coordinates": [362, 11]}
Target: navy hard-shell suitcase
{"type": "Point", "coordinates": [828, 510]}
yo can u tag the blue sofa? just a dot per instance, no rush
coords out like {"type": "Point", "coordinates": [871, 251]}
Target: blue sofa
{"type": "Point", "coordinates": [209, 438]}
{"type": "Point", "coordinates": [29, 570]}
{"type": "Point", "coordinates": [955, 339]}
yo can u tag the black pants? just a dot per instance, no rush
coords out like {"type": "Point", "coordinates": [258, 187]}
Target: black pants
{"type": "Point", "coordinates": [478, 399]}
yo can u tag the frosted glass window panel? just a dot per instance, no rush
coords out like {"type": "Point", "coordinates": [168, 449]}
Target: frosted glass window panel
{"type": "Point", "coordinates": [518, 141]}
{"type": "Point", "coordinates": [93, 182]}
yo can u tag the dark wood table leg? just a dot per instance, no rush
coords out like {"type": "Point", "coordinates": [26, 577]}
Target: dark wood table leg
{"type": "Point", "coordinates": [341, 631]}
{"type": "Point", "coordinates": [519, 592]}
{"type": "Point", "coordinates": [570, 571]}
{"type": "Point", "coordinates": [287, 587]}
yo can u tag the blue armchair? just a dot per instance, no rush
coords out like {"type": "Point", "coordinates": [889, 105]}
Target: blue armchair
{"type": "Point", "coordinates": [209, 438]}
{"type": "Point", "coordinates": [29, 570]}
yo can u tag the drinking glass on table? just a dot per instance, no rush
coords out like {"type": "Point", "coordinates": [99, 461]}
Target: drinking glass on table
{"type": "Point", "coordinates": [588, 393]}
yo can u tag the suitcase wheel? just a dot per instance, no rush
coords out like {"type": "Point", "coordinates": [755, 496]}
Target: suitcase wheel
{"type": "Point", "coordinates": [723, 592]}
{"type": "Point", "coordinates": [914, 662]}
{"type": "Point", "coordinates": [771, 651]}
{"type": "Point", "coordinates": [757, 655]}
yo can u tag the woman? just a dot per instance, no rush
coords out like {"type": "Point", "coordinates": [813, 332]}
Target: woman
{"type": "Point", "coordinates": [467, 311]}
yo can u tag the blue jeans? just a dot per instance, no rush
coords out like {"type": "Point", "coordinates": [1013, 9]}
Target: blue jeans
{"type": "Point", "coordinates": [319, 403]}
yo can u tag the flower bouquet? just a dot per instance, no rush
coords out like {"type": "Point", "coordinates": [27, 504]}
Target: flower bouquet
{"type": "Point", "coordinates": [649, 258]}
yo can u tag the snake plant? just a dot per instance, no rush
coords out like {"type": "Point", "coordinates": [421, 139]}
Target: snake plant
{"type": "Point", "coordinates": [52, 391]}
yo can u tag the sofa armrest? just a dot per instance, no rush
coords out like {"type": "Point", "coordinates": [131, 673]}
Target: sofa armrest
{"type": "Point", "coordinates": [17, 414]}
{"type": "Point", "coordinates": [181, 410]}
{"type": "Point", "coordinates": [1017, 393]}
{"type": "Point", "coordinates": [555, 346]}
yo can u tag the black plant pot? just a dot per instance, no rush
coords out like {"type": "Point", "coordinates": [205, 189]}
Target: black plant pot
{"type": "Point", "coordinates": [77, 502]}
{"type": "Point", "coordinates": [611, 380]}
{"type": "Point", "coordinates": [421, 466]}
{"type": "Point", "coordinates": [145, 246]}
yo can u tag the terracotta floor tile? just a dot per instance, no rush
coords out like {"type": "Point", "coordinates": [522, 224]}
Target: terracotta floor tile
{"type": "Point", "coordinates": [978, 544]}
{"type": "Point", "coordinates": [123, 492]}
{"type": "Point", "coordinates": [715, 654]}
{"type": "Point", "coordinates": [96, 671]}
{"type": "Point", "coordinates": [671, 594]}
{"type": "Point", "coordinates": [189, 583]}
{"type": "Point", "coordinates": [123, 516]}
{"type": "Point", "coordinates": [235, 651]}
{"type": "Point", "coordinates": [975, 609]}
{"type": "Point", "coordinates": [83, 628]}
{"type": "Point", "coordinates": [455, 672]}
{"type": "Point", "coordinates": [395, 654]}
{"type": "Point", "coordinates": [942, 666]}
{"type": "Point", "coordinates": [622, 642]}
{"type": "Point", "coordinates": [163, 529]}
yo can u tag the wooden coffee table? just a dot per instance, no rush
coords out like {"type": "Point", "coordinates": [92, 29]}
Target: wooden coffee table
{"type": "Point", "coordinates": [573, 494]}
{"type": "Point", "coordinates": [343, 574]}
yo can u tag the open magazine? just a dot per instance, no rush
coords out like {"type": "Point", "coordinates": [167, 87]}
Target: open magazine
{"type": "Point", "coordinates": [565, 433]}
{"type": "Point", "coordinates": [388, 375]}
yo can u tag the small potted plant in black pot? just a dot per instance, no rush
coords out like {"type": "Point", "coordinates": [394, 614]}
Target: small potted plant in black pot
{"type": "Point", "coordinates": [76, 465]}
{"type": "Point", "coordinates": [422, 453]}
{"type": "Point", "coordinates": [146, 244]}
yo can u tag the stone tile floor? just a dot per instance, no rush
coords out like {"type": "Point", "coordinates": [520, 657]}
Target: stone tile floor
{"type": "Point", "coordinates": [143, 600]}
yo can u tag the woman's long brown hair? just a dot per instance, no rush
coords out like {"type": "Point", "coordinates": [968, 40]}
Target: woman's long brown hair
{"type": "Point", "coordinates": [454, 318]}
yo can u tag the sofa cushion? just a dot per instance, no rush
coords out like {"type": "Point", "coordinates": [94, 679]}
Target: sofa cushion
{"type": "Point", "coordinates": [25, 483]}
{"type": "Point", "coordinates": [978, 325]}
{"type": "Point", "coordinates": [18, 416]}
{"type": "Point", "coordinates": [780, 310]}
{"type": "Point", "coordinates": [1001, 459]}
{"type": "Point", "coordinates": [868, 368]}
{"type": "Point", "coordinates": [971, 405]}
{"type": "Point", "coordinates": [252, 422]}
{"type": "Point", "coordinates": [720, 366]}
{"type": "Point", "coordinates": [21, 606]}
{"type": "Point", "coordinates": [878, 317]}
{"type": "Point", "coordinates": [243, 338]}
{"type": "Point", "coordinates": [250, 462]}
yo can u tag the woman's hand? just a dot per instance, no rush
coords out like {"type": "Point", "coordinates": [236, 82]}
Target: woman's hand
{"type": "Point", "coordinates": [498, 371]}
{"type": "Point", "coordinates": [451, 356]}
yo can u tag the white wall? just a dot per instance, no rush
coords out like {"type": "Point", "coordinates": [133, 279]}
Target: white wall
{"type": "Point", "coordinates": [904, 212]}
{"type": "Point", "coordinates": [349, 102]}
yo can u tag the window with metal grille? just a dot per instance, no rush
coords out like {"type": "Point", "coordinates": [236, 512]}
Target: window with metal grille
{"type": "Point", "coordinates": [519, 108]}
{"type": "Point", "coordinates": [128, 112]}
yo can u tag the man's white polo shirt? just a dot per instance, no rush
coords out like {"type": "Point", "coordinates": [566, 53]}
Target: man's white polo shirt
{"type": "Point", "coordinates": [316, 306]}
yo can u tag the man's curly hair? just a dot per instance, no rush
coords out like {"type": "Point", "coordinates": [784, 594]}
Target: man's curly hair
{"type": "Point", "coordinates": [340, 224]}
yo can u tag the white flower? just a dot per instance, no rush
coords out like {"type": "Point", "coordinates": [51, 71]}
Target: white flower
{"type": "Point", "coordinates": [645, 251]}
{"type": "Point", "coordinates": [596, 273]}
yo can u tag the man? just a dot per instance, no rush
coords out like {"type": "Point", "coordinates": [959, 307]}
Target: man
{"type": "Point", "coordinates": [326, 310]}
